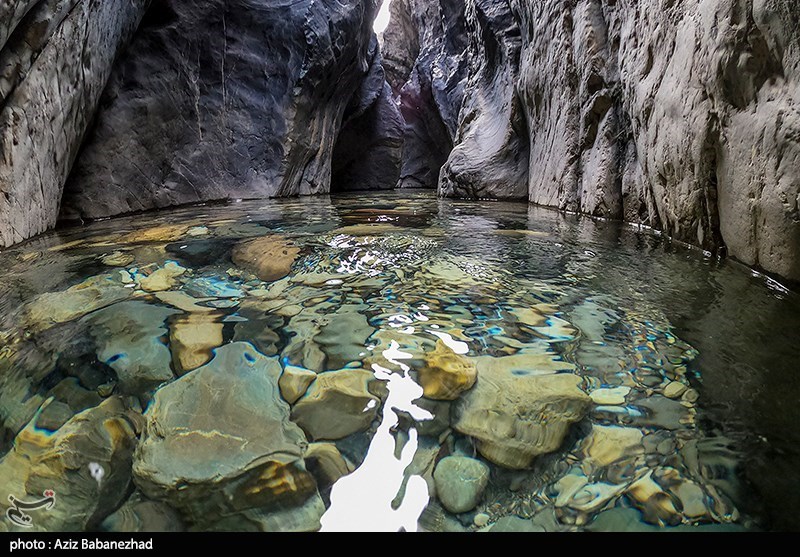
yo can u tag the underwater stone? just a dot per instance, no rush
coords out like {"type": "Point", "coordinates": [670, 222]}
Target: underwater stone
{"type": "Point", "coordinates": [184, 302]}
{"type": "Point", "coordinates": [46, 310]}
{"type": "Point", "coordinates": [269, 257]}
{"type": "Point", "coordinates": [139, 514]}
{"type": "Point", "coordinates": [212, 287]}
{"type": "Point", "coordinates": [514, 524]}
{"type": "Point", "coordinates": [326, 463]}
{"type": "Point", "coordinates": [460, 482]}
{"type": "Point", "coordinates": [219, 440]}
{"type": "Point", "coordinates": [163, 278]}
{"type": "Point", "coordinates": [294, 382]}
{"type": "Point", "coordinates": [674, 389]}
{"type": "Point", "coordinates": [163, 233]}
{"type": "Point", "coordinates": [337, 404]}
{"type": "Point", "coordinates": [129, 337]}
{"type": "Point", "coordinates": [303, 518]}
{"type": "Point", "coordinates": [608, 444]}
{"type": "Point", "coordinates": [516, 418]}
{"type": "Point", "coordinates": [53, 416]}
{"type": "Point", "coordinates": [655, 504]}
{"type": "Point", "coordinates": [523, 363]}
{"type": "Point", "coordinates": [40, 461]}
{"type": "Point", "coordinates": [610, 396]}
{"type": "Point", "coordinates": [117, 259]}
{"type": "Point", "coordinates": [192, 339]}
{"type": "Point", "coordinates": [444, 374]}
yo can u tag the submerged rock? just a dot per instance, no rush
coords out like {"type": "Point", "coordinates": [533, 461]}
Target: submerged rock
{"type": "Point", "coordinates": [139, 514]}
{"type": "Point", "coordinates": [337, 404]}
{"type": "Point", "coordinates": [49, 309]}
{"type": "Point", "coordinates": [192, 339]}
{"type": "Point", "coordinates": [302, 518]}
{"type": "Point", "coordinates": [460, 482]}
{"type": "Point", "coordinates": [161, 233]}
{"type": "Point", "coordinates": [39, 461]}
{"type": "Point", "coordinates": [444, 374]}
{"type": "Point", "coordinates": [327, 464]}
{"type": "Point", "coordinates": [130, 338]}
{"type": "Point", "coordinates": [607, 444]}
{"type": "Point", "coordinates": [219, 440]}
{"type": "Point", "coordinates": [163, 278]}
{"type": "Point", "coordinates": [516, 418]}
{"type": "Point", "coordinates": [294, 382]}
{"type": "Point", "coordinates": [514, 524]}
{"type": "Point", "coordinates": [270, 258]}
{"type": "Point", "coordinates": [118, 259]}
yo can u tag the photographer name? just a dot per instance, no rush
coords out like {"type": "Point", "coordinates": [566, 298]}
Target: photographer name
{"type": "Point", "coordinates": [83, 543]}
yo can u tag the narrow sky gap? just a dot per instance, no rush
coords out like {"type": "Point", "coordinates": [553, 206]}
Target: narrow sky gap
{"type": "Point", "coordinates": [382, 20]}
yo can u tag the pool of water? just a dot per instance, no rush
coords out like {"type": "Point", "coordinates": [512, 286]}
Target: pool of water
{"type": "Point", "coordinates": [391, 362]}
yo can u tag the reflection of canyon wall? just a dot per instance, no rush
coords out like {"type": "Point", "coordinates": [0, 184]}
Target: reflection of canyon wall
{"type": "Point", "coordinates": [55, 58]}
{"type": "Point", "coordinates": [680, 115]}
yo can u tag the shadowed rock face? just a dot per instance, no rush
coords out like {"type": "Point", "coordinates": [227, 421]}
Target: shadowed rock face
{"type": "Point", "coordinates": [684, 118]}
{"type": "Point", "coordinates": [425, 65]}
{"type": "Point", "coordinates": [223, 100]}
{"type": "Point", "coordinates": [369, 147]}
{"type": "Point", "coordinates": [55, 59]}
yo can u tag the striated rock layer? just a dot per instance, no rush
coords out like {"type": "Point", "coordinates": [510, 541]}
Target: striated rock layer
{"type": "Point", "coordinates": [55, 59]}
{"type": "Point", "coordinates": [680, 115]}
{"type": "Point", "coordinates": [238, 99]}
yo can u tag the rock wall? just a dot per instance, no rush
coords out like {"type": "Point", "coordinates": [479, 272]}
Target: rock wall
{"type": "Point", "coordinates": [426, 63]}
{"type": "Point", "coordinates": [681, 115]}
{"type": "Point", "coordinates": [55, 59]}
{"type": "Point", "coordinates": [226, 99]}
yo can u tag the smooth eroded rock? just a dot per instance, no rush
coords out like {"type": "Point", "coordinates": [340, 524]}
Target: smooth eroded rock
{"type": "Point", "coordinates": [219, 440]}
{"type": "Point", "coordinates": [516, 418]}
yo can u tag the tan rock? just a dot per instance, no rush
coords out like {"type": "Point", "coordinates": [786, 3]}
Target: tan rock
{"type": "Point", "coordinates": [610, 397]}
{"type": "Point", "coordinates": [48, 309]}
{"type": "Point", "coordinates": [117, 259]}
{"type": "Point", "coordinates": [269, 257]}
{"type": "Point", "coordinates": [163, 278]}
{"type": "Point", "coordinates": [337, 404]}
{"type": "Point", "coordinates": [674, 389]}
{"type": "Point", "coordinates": [444, 374]}
{"type": "Point", "coordinates": [516, 418]}
{"type": "Point", "coordinates": [328, 463]}
{"type": "Point", "coordinates": [192, 339]}
{"type": "Point", "coordinates": [184, 302]}
{"type": "Point", "coordinates": [608, 444]}
{"type": "Point", "coordinates": [164, 233]}
{"type": "Point", "coordinates": [294, 382]}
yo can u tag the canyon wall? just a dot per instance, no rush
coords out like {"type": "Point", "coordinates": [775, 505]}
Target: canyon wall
{"type": "Point", "coordinates": [55, 59]}
{"type": "Point", "coordinates": [227, 99]}
{"type": "Point", "coordinates": [678, 114]}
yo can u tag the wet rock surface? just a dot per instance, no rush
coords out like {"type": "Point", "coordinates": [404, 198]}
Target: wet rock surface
{"type": "Point", "coordinates": [63, 465]}
{"type": "Point", "coordinates": [219, 439]}
{"type": "Point", "coordinates": [55, 59]}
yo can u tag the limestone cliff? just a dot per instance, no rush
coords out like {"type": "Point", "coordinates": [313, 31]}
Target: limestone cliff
{"type": "Point", "coordinates": [55, 59]}
{"type": "Point", "coordinates": [681, 115]}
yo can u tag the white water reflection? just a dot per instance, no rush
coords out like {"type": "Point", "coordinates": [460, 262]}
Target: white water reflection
{"type": "Point", "coordinates": [362, 501]}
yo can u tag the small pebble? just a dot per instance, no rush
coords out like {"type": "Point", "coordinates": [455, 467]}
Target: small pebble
{"type": "Point", "coordinates": [481, 520]}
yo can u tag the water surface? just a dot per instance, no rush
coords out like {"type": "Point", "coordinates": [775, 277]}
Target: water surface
{"type": "Point", "coordinates": [675, 405]}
